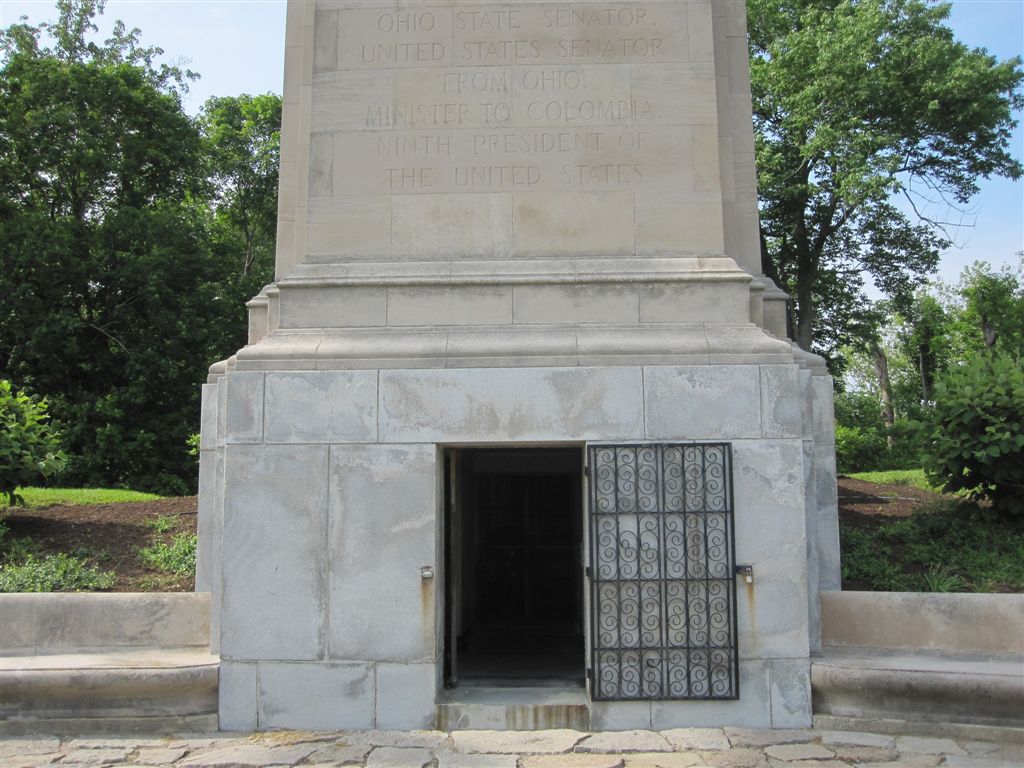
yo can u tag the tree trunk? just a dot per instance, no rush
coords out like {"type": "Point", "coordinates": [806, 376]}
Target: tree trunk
{"type": "Point", "coordinates": [885, 388]}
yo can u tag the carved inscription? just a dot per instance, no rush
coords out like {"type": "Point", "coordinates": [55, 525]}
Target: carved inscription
{"type": "Point", "coordinates": [503, 98]}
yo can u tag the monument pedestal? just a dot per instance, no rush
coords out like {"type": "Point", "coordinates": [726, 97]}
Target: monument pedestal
{"type": "Point", "coordinates": [518, 377]}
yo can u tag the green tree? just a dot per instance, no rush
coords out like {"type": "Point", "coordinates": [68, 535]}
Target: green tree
{"type": "Point", "coordinates": [107, 296]}
{"type": "Point", "coordinates": [242, 136]}
{"type": "Point", "coordinates": [856, 102]}
{"type": "Point", "coordinates": [987, 311]}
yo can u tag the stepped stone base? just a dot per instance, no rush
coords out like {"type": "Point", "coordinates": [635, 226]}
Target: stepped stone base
{"type": "Point", "coordinates": [107, 663]}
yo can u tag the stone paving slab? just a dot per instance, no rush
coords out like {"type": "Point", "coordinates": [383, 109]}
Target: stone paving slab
{"type": "Point", "coordinates": [664, 760]}
{"type": "Point", "coordinates": [399, 757]}
{"type": "Point", "coordinates": [683, 739]}
{"type": "Point", "coordinates": [624, 741]}
{"type": "Point", "coordinates": [675, 748]}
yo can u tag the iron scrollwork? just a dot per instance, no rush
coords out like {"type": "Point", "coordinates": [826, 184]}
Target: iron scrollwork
{"type": "Point", "coordinates": [664, 615]}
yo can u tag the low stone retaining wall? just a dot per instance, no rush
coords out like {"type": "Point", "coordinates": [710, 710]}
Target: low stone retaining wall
{"type": "Point", "coordinates": [921, 657]}
{"type": "Point", "coordinates": [108, 661]}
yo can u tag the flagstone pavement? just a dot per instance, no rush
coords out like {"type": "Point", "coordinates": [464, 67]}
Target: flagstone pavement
{"type": "Point", "coordinates": [679, 748]}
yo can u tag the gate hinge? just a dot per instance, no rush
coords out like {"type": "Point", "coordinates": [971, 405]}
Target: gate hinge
{"type": "Point", "coordinates": [586, 470]}
{"type": "Point", "coordinates": [589, 574]}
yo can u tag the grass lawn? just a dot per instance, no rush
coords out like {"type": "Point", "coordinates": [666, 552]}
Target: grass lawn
{"type": "Point", "coordinates": [914, 477]}
{"type": "Point", "coordinates": [42, 497]}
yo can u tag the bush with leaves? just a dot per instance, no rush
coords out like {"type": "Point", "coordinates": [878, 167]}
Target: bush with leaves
{"type": "Point", "coordinates": [29, 448]}
{"type": "Point", "coordinates": [973, 437]}
{"type": "Point", "coordinates": [53, 573]}
{"type": "Point", "coordinates": [178, 557]}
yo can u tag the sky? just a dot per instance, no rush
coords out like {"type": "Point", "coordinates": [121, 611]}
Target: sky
{"type": "Point", "coordinates": [238, 47]}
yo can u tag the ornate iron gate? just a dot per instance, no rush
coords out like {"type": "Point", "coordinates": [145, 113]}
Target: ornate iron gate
{"type": "Point", "coordinates": [663, 592]}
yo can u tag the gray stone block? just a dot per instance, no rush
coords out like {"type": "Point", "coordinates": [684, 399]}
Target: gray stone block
{"type": "Point", "coordinates": [750, 710]}
{"type": "Point", "coordinates": [781, 401]}
{"type": "Point", "coordinates": [702, 402]}
{"type": "Point", "coordinates": [238, 693]}
{"type": "Point", "coordinates": [509, 404]}
{"type": "Point", "coordinates": [208, 418]}
{"type": "Point", "coordinates": [790, 693]}
{"type": "Point", "coordinates": [208, 527]}
{"type": "Point", "coordinates": [824, 410]}
{"type": "Point", "coordinates": [321, 407]}
{"type": "Point", "coordinates": [318, 696]}
{"type": "Point", "coordinates": [620, 715]}
{"type": "Point", "coordinates": [405, 695]}
{"type": "Point", "coordinates": [275, 520]}
{"type": "Point", "coordinates": [243, 407]}
{"type": "Point", "coordinates": [383, 529]}
{"type": "Point", "coordinates": [768, 485]}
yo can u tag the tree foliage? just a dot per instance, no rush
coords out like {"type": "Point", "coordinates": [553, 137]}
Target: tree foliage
{"type": "Point", "coordinates": [974, 433]}
{"type": "Point", "coordinates": [242, 135]}
{"type": "Point", "coordinates": [941, 332]}
{"type": "Point", "coordinates": [112, 301]}
{"type": "Point", "coordinates": [858, 103]}
{"type": "Point", "coordinates": [29, 448]}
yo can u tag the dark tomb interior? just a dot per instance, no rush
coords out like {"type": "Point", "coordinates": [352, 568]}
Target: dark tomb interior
{"type": "Point", "coordinates": [515, 589]}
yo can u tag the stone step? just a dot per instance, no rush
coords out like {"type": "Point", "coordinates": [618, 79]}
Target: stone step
{"type": "Point", "coordinates": [503, 708]}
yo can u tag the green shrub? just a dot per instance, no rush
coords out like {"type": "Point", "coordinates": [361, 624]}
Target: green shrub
{"type": "Point", "coordinates": [29, 449]}
{"type": "Point", "coordinates": [53, 573]}
{"type": "Point", "coordinates": [178, 557]}
{"type": "Point", "coordinates": [973, 438]}
{"type": "Point", "coordinates": [858, 449]}
{"type": "Point", "coordinates": [944, 546]}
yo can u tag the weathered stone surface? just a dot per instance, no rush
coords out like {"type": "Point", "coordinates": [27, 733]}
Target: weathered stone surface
{"type": "Point", "coordinates": [274, 584]}
{"type": "Point", "coordinates": [737, 757]}
{"type": "Point", "coordinates": [248, 755]}
{"type": "Point", "coordinates": [864, 754]}
{"type": "Point", "coordinates": [928, 746]}
{"type": "Point", "coordinates": [758, 737]}
{"type": "Point", "coordinates": [337, 754]}
{"type": "Point", "coordinates": [159, 755]}
{"type": "Point", "coordinates": [406, 694]}
{"type": "Point", "coordinates": [790, 692]}
{"type": "Point", "coordinates": [128, 742]}
{"type": "Point", "coordinates": [511, 404]}
{"type": "Point", "coordinates": [906, 761]}
{"type": "Point", "coordinates": [624, 741]}
{"type": "Point", "coordinates": [387, 738]}
{"type": "Point", "coordinates": [29, 761]}
{"type": "Point", "coordinates": [516, 742]}
{"type": "Point", "coordinates": [856, 739]}
{"type": "Point", "coordinates": [41, 745]}
{"type": "Point", "coordinates": [318, 695]}
{"type": "Point", "coordinates": [382, 530]}
{"type": "Point", "coordinates": [682, 739]}
{"type": "Point", "coordinates": [96, 756]}
{"type": "Point", "coordinates": [980, 747]}
{"type": "Point", "coordinates": [573, 761]}
{"type": "Point", "coordinates": [663, 760]}
{"type": "Point", "coordinates": [961, 761]}
{"type": "Point", "coordinates": [455, 760]}
{"type": "Point", "coordinates": [238, 693]}
{"type": "Point", "coordinates": [399, 757]}
{"type": "Point", "coordinates": [792, 752]}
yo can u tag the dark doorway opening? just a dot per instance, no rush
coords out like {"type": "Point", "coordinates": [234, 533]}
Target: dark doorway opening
{"type": "Point", "coordinates": [513, 566]}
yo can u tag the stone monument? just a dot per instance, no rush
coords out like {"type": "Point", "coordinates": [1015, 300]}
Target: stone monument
{"type": "Point", "coordinates": [518, 421]}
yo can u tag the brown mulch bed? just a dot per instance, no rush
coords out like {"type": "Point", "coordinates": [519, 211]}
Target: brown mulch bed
{"type": "Point", "coordinates": [109, 536]}
{"type": "Point", "coordinates": [870, 504]}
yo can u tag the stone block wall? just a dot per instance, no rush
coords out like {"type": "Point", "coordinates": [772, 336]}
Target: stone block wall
{"type": "Point", "coordinates": [321, 500]}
